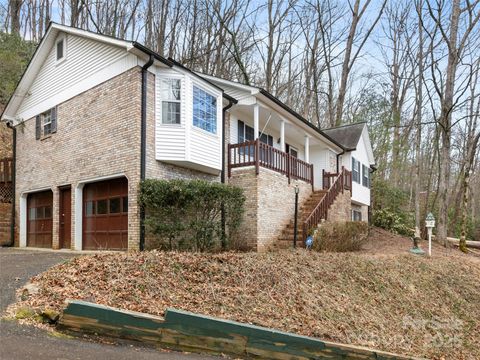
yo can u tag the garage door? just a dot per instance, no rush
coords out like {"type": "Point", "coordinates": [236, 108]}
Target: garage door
{"type": "Point", "coordinates": [39, 219]}
{"type": "Point", "coordinates": [105, 208]}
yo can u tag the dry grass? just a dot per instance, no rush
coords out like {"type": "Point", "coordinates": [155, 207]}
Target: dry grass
{"type": "Point", "coordinates": [399, 303]}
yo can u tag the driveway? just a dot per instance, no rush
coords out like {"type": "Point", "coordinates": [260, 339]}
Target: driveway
{"type": "Point", "coordinates": [28, 342]}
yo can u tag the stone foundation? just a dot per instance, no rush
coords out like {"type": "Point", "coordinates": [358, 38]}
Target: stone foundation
{"type": "Point", "coordinates": [341, 209]}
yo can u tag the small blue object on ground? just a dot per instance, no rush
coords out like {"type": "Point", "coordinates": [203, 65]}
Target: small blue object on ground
{"type": "Point", "coordinates": [417, 251]}
{"type": "Point", "coordinates": [309, 242]}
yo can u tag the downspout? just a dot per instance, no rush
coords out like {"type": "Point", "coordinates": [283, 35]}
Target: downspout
{"type": "Point", "coordinates": [143, 142]}
{"type": "Point", "coordinates": [338, 163]}
{"type": "Point", "coordinates": [14, 173]}
{"type": "Point", "coordinates": [222, 175]}
{"type": "Point", "coordinates": [224, 111]}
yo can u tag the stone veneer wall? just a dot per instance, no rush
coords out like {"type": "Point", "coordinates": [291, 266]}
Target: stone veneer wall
{"type": "Point", "coordinates": [341, 209]}
{"type": "Point", "coordinates": [5, 217]}
{"type": "Point", "coordinates": [269, 206]}
{"type": "Point", "coordinates": [98, 134]}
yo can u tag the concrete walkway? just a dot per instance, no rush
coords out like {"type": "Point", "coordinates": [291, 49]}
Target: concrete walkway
{"type": "Point", "coordinates": [28, 342]}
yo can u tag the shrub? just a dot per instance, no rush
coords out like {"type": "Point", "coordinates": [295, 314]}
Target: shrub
{"type": "Point", "coordinates": [186, 215]}
{"type": "Point", "coordinates": [398, 223]}
{"type": "Point", "coordinates": [341, 236]}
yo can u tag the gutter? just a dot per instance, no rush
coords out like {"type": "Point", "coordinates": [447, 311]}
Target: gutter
{"type": "Point", "coordinates": [14, 173]}
{"type": "Point", "coordinates": [143, 142]}
{"type": "Point", "coordinates": [231, 102]}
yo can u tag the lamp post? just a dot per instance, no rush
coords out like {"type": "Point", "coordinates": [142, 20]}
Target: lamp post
{"type": "Point", "coordinates": [430, 224]}
{"type": "Point", "coordinates": [296, 217]}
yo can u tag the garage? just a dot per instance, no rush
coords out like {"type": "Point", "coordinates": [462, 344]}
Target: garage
{"type": "Point", "coordinates": [39, 219]}
{"type": "Point", "coordinates": [105, 209]}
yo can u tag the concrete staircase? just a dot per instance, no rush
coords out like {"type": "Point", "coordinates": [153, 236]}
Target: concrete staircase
{"type": "Point", "coordinates": [285, 240]}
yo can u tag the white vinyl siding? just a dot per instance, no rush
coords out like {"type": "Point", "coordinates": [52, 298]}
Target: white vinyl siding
{"type": "Point", "coordinates": [88, 64]}
{"type": "Point", "coordinates": [184, 144]}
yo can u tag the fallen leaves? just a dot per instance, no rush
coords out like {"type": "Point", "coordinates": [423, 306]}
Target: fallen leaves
{"type": "Point", "coordinates": [350, 298]}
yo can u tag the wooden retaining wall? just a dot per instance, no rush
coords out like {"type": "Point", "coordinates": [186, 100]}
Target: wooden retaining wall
{"type": "Point", "coordinates": [187, 331]}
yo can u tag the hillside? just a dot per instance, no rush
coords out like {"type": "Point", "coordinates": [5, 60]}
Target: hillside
{"type": "Point", "coordinates": [399, 303]}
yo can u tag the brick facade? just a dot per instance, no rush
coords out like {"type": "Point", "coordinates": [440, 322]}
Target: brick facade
{"type": "Point", "coordinates": [270, 205]}
{"type": "Point", "coordinates": [98, 135]}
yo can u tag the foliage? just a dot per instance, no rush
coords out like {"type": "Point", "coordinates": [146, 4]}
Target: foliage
{"type": "Point", "coordinates": [341, 236]}
{"type": "Point", "coordinates": [397, 222]}
{"type": "Point", "coordinates": [391, 210]}
{"type": "Point", "coordinates": [186, 215]}
{"type": "Point", "coordinates": [15, 54]}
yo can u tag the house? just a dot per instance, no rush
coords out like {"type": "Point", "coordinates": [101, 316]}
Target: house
{"type": "Point", "coordinates": [94, 115]}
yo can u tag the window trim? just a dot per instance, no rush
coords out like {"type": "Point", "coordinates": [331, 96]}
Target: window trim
{"type": "Point", "coordinates": [162, 100]}
{"type": "Point", "coordinates": [208, 92]}
{"type": "Point", "coordinates": [354, 163]}
{"type": "Point", "coordinates": [64, 57]}
{"type": "Point", "coordinates": [359, 212]}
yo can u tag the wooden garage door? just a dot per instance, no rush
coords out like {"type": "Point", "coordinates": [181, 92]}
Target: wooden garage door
{"type": "Point", "coordinates": [39, 219]}
{"type": "Point", "coordinates": [105, 221]}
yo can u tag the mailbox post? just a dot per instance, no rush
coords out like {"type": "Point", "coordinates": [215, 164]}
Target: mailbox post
{"type": "Point", "coordinates": [430, 224]}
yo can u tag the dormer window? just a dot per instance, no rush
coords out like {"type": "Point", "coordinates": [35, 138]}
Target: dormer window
{"type": "Point", "coordinates": [171, 101]}
{"type": "Point", "coordinates": [60, 49]}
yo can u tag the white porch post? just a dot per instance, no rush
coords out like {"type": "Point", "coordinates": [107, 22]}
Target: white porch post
{"type": "Point", "coordinates": [282, 135]}
{"type": "Point", "coordinates": [23, 220]}
{"type": "Point", "coordinates": [256, 116]}
{"type": "Point", "coordinates": [307, 148]}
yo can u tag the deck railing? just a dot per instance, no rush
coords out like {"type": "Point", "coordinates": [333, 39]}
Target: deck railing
{"type": "Point", "coordinates": [339, 184]}
{"type": "Point", "coordinates": [255, 153]}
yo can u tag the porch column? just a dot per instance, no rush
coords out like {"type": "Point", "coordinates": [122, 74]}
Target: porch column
{"type": "Point", "coordinates": [307, 148]}
{"type": "Point", "coordinates": [256, 116]}
{"type": "Point", "coordinates": [282, 135]}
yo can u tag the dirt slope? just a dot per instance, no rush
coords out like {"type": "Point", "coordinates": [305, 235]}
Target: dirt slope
{"type": "Point", "coordinates": [399, 303]}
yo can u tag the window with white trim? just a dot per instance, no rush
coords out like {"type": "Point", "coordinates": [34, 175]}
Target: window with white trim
{"type": "Point", "coordinates": [356, 215]}
{"type": "Point", "coordinates": [204, 110]}
{"type": "Point", "coordinates": [355, 170]}
{"type": "Point", "coordinates": [366, 176]}
{"type": "Point", "coordinates": [60, 49]}
{"type": "Point", "coordinates": [171, 100]}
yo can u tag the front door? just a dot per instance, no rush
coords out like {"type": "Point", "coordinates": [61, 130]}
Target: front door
{"type": "Point", "coordinates": [65, 217]}
{"type": "Point", "coordinates": [39, 219]}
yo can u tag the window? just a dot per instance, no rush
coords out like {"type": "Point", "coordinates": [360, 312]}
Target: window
{"type": "Point", "coordinates": [115, 205]}
{"type": "Point", "coordinates": [60, 49]}
{"type": "Point", "coordinates": [366, 176]}
{"type": "Point", "coordinates": [293, 151]}
{"type": "Point", "coordinates": [204, 110]}
{"type": "Point", "coordinates": [171, 101]}
{"type": "Point", "coordinates": [46, 123]}
{"type": "Point", "coordinates": [125, 204]}
{"type": "Point", "coordinates": [89, 208]}
{"type": "Point", "coordinates": [355, 170]}
{"type": "Point", "coordinates": [102, 207]}
{"type": "Point", "coordinates": [247, 133]}
{"type": "Point", "coordinates": [356, 215]}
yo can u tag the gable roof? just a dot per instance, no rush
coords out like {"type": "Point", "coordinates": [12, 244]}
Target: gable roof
{"type": "Point", "coordinates": [347, 135]}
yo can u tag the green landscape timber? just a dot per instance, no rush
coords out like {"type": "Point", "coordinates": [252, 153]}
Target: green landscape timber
{"type": "Point", "coordinates": [182, 330]}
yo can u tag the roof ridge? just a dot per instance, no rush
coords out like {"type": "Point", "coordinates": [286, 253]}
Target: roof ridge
{"type": "Point", "coordinates": [346, 125]}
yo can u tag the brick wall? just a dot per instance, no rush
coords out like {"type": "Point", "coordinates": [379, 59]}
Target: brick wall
{"type": "Point", "coordinates": [341, 209]}
{"type": "Point", "coordinates": [5, 217]}
{"type": "Point", "coordinates": [98, 135]}
{"type": "Point", "coordinates": [270, 205]}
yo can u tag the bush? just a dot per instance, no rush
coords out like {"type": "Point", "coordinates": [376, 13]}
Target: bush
{"type": "Point", "coordinates": [186, 215]}
{"type": "Point", "coordinates": [341, 236]}
{"type": "Point", "coordinates": [398, 223]}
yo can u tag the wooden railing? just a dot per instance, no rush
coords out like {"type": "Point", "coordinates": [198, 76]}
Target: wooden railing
{"type": "Point", "coordinates": [255, 153]}
{"type": "Point", "coordinates": [6, 170]}
{"type": "Point", "coordinates": [328, 178]}
{"type": "Point", "coordinates": [340, 183]}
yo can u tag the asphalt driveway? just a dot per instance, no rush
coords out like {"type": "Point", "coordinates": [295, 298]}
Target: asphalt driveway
{"type": "Point", "coordinates": [28, 342]}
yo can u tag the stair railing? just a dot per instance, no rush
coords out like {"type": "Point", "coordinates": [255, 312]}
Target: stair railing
{"type": "Point", "coordinates": [321, 210]}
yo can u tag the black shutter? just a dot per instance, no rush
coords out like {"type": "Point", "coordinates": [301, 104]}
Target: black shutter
{"type": "Point", "coordinates": [53, 116]}
{"type": "Point", "coordinates": [38, 127]}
